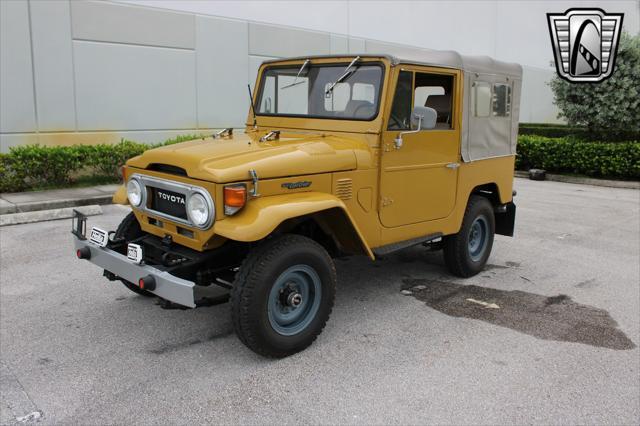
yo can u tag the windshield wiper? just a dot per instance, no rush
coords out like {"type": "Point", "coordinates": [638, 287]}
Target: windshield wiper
{"type": "Point", "coordinates": [295, 81]}
{"type": "Point", "coordinates": [347, 72]}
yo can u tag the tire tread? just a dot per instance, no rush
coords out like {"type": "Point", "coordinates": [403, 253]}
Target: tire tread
{"type": "Point", "coordinates": [247, 278]}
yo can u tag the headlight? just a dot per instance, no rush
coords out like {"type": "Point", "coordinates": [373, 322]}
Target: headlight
{"type": "Point", "coordinates": [198, 209]}
{"type": "Point", "coordinates": [134, 192]}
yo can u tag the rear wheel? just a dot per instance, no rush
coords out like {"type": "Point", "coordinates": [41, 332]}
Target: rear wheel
{"type": "Point", "coordinates": [283, 295]}
{"type": "Point", "coordinates": [467, 252]}
{"type": "Point", "coordinates": [129, 229]}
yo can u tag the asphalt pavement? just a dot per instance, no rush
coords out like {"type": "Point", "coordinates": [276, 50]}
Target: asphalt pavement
{"type": "Point", "coordinates": [548, 333]}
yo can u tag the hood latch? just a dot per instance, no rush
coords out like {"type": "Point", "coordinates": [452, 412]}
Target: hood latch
{"type": "Point", "coordinates": [255, 179]}
{"type": "Point", "coordinates": [274, 134]}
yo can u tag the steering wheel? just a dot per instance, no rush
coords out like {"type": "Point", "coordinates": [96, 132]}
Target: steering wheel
{"type": "Point", "coordinates": [359, 107]}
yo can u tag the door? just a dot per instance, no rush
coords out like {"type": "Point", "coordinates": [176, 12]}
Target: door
{"type": "Point", "coordinates": [418, 180]}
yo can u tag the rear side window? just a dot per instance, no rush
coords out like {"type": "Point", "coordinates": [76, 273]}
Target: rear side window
{"type": "Point", "coordinates": [481, 99]}
{"type": "Point", "coordinates": [501, 100]}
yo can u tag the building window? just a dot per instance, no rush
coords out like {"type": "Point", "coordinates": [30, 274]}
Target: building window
{"type": "Point", "coordinates": [501, 100]}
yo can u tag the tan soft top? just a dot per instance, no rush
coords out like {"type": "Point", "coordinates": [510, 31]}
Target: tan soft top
{"type": "Point", "coordinates": [481, 137]}
{"type": "Point", "coordinates": [439, 58]}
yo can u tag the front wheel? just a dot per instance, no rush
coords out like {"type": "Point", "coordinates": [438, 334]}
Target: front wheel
{"type": "Point", "coordinates": [466, 252]}
{"type": "Point", "coordinates": [129, 229]}
{"type": "Point", "coordinates": [283, 295]}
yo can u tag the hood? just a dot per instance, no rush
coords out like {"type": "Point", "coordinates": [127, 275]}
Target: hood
{"type": "Point", "coordinates": [230, 159]}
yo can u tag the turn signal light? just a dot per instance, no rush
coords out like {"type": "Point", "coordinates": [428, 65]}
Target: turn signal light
{"type": "Point", "coordinates": [235, 197]}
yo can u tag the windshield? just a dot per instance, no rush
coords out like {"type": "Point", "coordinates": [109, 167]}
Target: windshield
{"type": "Point", "coordinates": [307, 92]}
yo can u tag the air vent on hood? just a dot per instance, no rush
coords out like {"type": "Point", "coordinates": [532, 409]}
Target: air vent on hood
{"type": "Point", "coordinates": [169, 169]}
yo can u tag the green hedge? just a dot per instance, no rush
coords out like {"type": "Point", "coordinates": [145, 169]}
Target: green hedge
{"type": "Point", "coordinates": [582, 133]}
{"type": "Point", "coordinates": [30, 167]}
{"type": "Point", "coordinates": [39, 167]}
{"type": "Point", "coordinates": [565, 155]}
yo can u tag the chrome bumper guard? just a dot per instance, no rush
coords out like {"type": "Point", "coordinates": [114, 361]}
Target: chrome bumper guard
{"type": "Point", "coordinates": [168, 287]}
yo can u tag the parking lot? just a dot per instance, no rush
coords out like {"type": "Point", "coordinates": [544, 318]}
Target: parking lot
{"type": "Point", "coordinates": [548, 333]}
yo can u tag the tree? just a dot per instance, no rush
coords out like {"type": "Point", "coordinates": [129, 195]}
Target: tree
{"type": "Point", "coordinates": [613, 104]}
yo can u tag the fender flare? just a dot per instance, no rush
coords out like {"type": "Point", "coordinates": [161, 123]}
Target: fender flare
{"type": "Point", "coordinates": [263, 215]}
{"type": "Point", "coordinates": [120, 196]}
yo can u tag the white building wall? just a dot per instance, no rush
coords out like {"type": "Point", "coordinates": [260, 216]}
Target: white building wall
{"type": "Point", "coordinates": [97, 71]}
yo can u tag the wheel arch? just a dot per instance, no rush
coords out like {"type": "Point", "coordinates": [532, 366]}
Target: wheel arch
{"type": "Point", "coordinates": [491, 191]}
{"type": "Point", "coordinates": [504, 211]}
{"type": "Point", "coordinates": [313, 214]}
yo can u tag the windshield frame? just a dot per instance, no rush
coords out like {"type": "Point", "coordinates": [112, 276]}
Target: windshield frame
{"type": "Point", "coordinates": [339, 63]}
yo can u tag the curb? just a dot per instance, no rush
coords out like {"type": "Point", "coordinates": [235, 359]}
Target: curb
{"type": "Point", "coordinates": [44, 215]}
{"type": "Point", "coordinates": [53, 204]}
{"type": "Point", "coordinates": [627, 184]}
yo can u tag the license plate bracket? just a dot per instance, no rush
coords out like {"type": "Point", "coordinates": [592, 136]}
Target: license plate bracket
{"type": "Point", "coordinates": [99, 237]}
{"type": "Point", "coordinates": [134, 253]}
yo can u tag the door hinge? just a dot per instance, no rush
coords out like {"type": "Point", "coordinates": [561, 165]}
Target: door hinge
{"type": "Point", "coordinates": [386, 201]}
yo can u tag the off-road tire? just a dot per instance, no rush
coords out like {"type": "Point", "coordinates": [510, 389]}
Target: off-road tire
{"type": "Point", "coordinates": [456, 251]}
{"type": "Point", "coordinates": [253, 285]}
{"type": "Point", "coordinates": [129, 229]}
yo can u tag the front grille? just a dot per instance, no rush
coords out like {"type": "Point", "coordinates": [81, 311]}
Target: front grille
{"type": "Point", "coordinates": [168, 202]}
{"type": "Point", "coordinates": [167, 199]}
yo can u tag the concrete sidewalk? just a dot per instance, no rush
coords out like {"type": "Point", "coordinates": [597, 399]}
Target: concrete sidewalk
{"type": "Point", "coordinates": [55, 199]}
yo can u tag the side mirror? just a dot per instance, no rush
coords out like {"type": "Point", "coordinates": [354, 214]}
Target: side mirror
{"type": "Point", "coordinates": [422, 118]}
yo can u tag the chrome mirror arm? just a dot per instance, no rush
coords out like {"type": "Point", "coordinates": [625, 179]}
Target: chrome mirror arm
{"type": "Point", "coordinates": [398, 142]}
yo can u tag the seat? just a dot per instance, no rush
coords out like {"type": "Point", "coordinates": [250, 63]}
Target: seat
{"type": "Point", "coordinates": [442, 105]}
{"type": "Point", "coordinates": [359, 109]}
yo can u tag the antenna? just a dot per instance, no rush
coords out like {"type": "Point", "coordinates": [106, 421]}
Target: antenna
{"type": "Point", "coordinates": [253, 108]}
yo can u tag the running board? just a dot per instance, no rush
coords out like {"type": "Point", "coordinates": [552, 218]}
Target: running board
{"type": "Point", "coordinates": [390, 248]}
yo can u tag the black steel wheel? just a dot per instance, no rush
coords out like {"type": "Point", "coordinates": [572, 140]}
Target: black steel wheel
{"type": "Point", "coordinates": [283, 295]}
{"type": "Point", "coordinates": [466, 253]}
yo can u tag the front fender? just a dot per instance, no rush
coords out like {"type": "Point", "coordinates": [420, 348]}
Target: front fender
{"type": "Point", "coordinates": [120, 196]}
{"type": "Point", "coordinates": [262, 215]}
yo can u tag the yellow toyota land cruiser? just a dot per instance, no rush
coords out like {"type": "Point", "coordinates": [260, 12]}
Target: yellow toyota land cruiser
{"type": "Point", "coordinates": [341, 155]}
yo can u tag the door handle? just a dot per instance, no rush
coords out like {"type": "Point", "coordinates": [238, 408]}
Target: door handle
{"type": "Point", "coordinates": [452, 166]}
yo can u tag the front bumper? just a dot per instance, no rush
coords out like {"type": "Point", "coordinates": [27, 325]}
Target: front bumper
{"type": "Point", "coordinates": [168, 286]}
